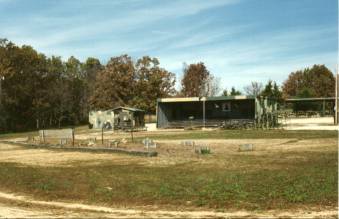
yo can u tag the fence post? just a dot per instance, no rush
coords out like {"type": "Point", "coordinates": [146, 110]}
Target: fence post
{"type": "Point", "coordinates": [102, 135]}
{"type": "Point", "coordinates": [132, 133]}
{"type": "Point", "coordinates": [73, 137]}
{"type": "Point", "coordinates": [43, 135]}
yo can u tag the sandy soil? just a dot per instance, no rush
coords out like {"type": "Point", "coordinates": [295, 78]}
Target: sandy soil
{"type": "Point", "coordinates": [38, 209]}
{"type": "Point", "coordinates": [320, 123]}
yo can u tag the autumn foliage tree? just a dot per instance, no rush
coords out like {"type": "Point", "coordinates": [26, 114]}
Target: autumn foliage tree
{"type": "Point", "coordinates": [39, 92]}
{"type": "Point", "coordinates": [115, 84]}
{"type": "Point", "coordinates": [152, 82]}
{"type": "Point", "coordinates": [125, 83]}
{"type": "Point", "coordinates": [319, 81]}
{"type": "Point", "coordinates": [195, 79]}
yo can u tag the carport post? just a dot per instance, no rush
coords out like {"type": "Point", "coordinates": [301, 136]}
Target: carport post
{"type": "Point", "coordinates": [204, 111]}
{"type": "Point", "coordinates": [324, 108]}
{"type": "Point", "coordinates": [73, 137]}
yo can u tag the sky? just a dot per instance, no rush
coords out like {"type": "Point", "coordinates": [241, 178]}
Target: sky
{"type": "Point", "coordinates": [238, 40]}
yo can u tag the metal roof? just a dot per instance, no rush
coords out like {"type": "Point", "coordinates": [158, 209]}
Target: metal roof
{"type": "Point", "coordinates": [309, 99]}
{"type": "Point", "coordinates": [237, 97]}
{"type": "Point", "coordinates": [196, 99]}
{"type": "Point", "coordinates": [129, 109]}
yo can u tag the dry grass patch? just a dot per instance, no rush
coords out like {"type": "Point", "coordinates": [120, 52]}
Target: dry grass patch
{"type": "Point", "coordinates": [280, 173]}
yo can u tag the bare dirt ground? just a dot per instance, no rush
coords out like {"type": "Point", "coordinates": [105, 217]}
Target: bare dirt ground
{"type": "Point", "coordinates": [316, 123]}
{"type": "Point", "coordinates": [26, 207]}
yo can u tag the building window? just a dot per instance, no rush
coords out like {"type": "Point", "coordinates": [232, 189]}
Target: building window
{"type": "Point", "coordinates": [226, 107]}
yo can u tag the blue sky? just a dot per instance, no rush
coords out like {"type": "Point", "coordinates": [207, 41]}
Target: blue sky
{"type": "Point", "coordinates": [239, 40]}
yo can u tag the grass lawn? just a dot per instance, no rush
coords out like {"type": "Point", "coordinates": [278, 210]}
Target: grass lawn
{"type": "Point", "coordinates": [312, 183]}
{"type": "Point", "coordinates": [249, 134]}
{"type": "Point", "coordinates": [280, 183]}
{"type": "Point", "coordinates": [198, 134]}
{"type": "Point", "coordinates": [18, 134]}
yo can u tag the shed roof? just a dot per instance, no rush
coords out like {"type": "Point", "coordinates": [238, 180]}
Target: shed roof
{"type": "Point", "coordinates": [195, 99]}
{"type": "Point", "coordinates": [309, 99]}
{"type": "Point", "coordinates": [129, 109]}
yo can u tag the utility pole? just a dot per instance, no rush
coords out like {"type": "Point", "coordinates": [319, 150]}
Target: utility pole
{"type": "Point", "coordinates": [204, 111]}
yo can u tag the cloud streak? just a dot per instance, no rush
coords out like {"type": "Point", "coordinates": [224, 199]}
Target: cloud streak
{"type": "Point", "coordinates": [237, 40]}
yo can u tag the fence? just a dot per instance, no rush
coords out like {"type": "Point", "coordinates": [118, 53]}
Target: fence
{"type": "Point", "coordinates": [56, 134]}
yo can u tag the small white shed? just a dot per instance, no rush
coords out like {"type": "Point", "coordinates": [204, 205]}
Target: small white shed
{"type": "Point", "coordinates": [101, 118]}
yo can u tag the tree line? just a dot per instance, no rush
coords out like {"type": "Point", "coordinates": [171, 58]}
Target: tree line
{"type": "Point", "coordinates": [37, 91]}
{"type": "Point", "coordinates": [317, 81]}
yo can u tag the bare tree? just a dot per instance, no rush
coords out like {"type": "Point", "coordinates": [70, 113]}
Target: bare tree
{"type": "Point", "coordinates": [255, 88]}
{"type": "Point", "coordinates": [211, 87]}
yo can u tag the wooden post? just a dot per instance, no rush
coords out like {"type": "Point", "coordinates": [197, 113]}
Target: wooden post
{"type": "Point", "coordinates": [132, 132]}
{"type": "Point", "coordinates": [102, 135]}
{"type": "Point", "coordinates": [73, 137]}
{"type": "Point", "coordinates": [43, 135]}
{"type": "Point", "coordinates": [204, 112]}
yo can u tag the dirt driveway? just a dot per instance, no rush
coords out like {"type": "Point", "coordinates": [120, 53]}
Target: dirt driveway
{"type": "Point", "coordinates": [14, 206]}
{"type": "Point", "coordinates": [316, 123]}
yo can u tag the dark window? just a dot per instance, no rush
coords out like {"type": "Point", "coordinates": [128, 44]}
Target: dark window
{"type": "Point", "coordinates": [226, 107]}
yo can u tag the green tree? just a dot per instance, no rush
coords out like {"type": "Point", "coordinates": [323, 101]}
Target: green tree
{"type": "Point", "coordinates": [305, 106]}
{"type": "Point", "coordinates": [277, 93]}
{"type": "Point", "coordinates": [234, 92]}
{"type": "Point", "coordinates": [268, 90]}
{"type": "Point", "coordinates": [76, 88]}
{"type": "Point", "coordinates": [225, 92]}
{"type": "Point", "coordinates": [59, 89]}
{"type": "Point", "coordinates": [91, 68]}
{"type": "Point", "coordinates": [272, 90]}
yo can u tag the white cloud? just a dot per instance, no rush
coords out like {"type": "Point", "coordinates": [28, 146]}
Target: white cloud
{"type": "Point", "coordinates": [230, 50]}
{"type": "Point", "coordinates": [260, 57]}
{"type": "Point", "coordinates": [73, 28]}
